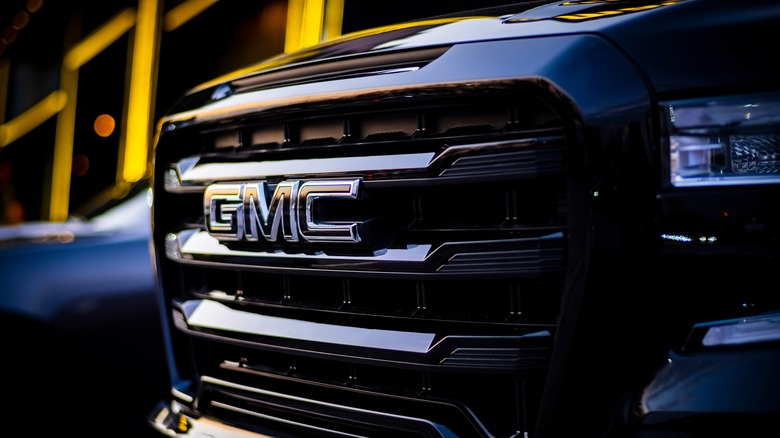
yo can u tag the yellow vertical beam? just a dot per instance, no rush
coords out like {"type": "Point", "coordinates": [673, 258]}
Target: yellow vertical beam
{"type": "Point", "coordinates": [313, 18]}
{"type": "Point", "coordinates": [292, 41]}
{"type": "Point", "coordinates": [310, 22]}
{"type": "Point", "coordinates": [56, 194]}
{"type": "Point", "coordinates": [334, 17]}
{"type": "Point", "coordinates": [141, 94]}
{"type": "Point", "coordinates": [63, 147]}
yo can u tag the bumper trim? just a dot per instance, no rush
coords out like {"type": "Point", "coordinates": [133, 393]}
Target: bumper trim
{"type": "Point", "coordinates": [170, 421]}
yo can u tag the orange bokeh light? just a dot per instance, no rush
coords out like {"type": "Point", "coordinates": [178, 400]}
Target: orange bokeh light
{"type": "Point", "coordinates": [104, 125]}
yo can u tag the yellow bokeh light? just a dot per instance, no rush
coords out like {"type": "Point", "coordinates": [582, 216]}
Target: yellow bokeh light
{"type": "Point", "coordinates": [104, 125]}
{"type": "Point", "coordinates": [33, 5]}
{"type": "Point", "coordinates": [20, 20]}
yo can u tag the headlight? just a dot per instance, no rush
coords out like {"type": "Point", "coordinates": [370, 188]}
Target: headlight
{"type": "Point", "coordinates": [742, 331]}
{"type": "Point", "coordinates": [724, 141]}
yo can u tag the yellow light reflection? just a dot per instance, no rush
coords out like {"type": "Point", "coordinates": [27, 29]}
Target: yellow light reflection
{"type": "Point", "coordinates": [608, 13]}
{"type": "Point", "coordinates": [34, 116]}
{"type": "Point", "coordinates": [184, 13]}
{"type": "Point", "coordinates": [141, 93]}
{"type": "Point", "coordinates": [98, 40]}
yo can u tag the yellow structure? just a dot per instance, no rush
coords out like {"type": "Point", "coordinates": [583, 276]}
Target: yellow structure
{"type": "Point", "coordinates": [308, 22]}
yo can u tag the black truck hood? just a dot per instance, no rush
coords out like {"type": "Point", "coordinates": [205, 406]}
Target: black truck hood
{"type": "Point", "coordinates": [648, 32]}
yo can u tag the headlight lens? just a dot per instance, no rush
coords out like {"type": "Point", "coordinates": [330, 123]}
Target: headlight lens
{"type": "Point", "coordinates": [724, 141]}
{"type": "Point", "coordinates": [742, 331]}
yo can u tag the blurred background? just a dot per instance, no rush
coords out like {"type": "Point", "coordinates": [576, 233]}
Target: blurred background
{"type": "Point", "coordinates": [82, 83]}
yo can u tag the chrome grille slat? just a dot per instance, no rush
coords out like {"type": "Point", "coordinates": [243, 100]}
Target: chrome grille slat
{"type": "Point", "coordinates": [533, 156]}
{"type": "Point", "coordinates": [505, 354]}
{"type": "Point", "coordinates": [532, 255]}
{"type": "Point", "coordinates": [304, 413]}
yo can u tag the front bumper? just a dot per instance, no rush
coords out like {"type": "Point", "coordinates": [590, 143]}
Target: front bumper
{"type": "Point", "coordinates": [169, 420]}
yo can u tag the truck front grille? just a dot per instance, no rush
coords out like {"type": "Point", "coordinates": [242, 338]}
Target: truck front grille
{"type": "Point", "coordinates": [441, 317]}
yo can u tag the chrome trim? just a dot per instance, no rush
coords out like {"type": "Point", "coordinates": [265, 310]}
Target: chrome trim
{"type": "Point", "coordinates": [197, 246]}
{"type": "Point", "coordinates": [395, 70]}
{"type": "Point", "coordinates": [330, 406]}
{"type": "Point", "coordinates": [453, 152]}
{"type": "Point", "coordinates": [283, 421]}
{"type": "Point", "coordinates": [312, 230]}
{"type": "Point", "coordinates": [207, 173]}
{"type": "Point", "coordinates": [198, 242]}
{"type": "Point", "coordinates": [166, 418]}
{"type": "Point", "coordinates": [245, 212]}
{"type": "Point", "coordinates": [181, 395]}
{"type": "Point", "coordinates": [172, 421]}
{"type": "Point", "coordinates": [174, 181]}
{"type": "Point", "coordinates": [194, 176]}
{"type": "Point", "coordinates": [213, 315]}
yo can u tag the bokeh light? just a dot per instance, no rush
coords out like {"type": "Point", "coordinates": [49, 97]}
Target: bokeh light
{"type": "Point", "coordinates": [104, 125]}
{"type": "Point", "coordinates": [33, 5]}
{"type": "Point", "coordinates": [20, 20]}
{"type": "Point", "coordinates": [80, 165]}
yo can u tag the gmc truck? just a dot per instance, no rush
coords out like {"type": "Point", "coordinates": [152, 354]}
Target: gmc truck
{"type": "Point", "coordinates": [545, 219]}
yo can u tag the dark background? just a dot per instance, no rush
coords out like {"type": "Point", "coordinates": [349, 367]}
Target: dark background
{"type": "Point", "coordinates": [229, 34]}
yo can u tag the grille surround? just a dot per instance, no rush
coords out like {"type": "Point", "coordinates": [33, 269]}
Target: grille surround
{"type": "Point", "coordinates": [493, 337]}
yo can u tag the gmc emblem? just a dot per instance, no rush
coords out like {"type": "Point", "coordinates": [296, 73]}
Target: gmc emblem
{"type": "Point", "coordinates": [245, 212]}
